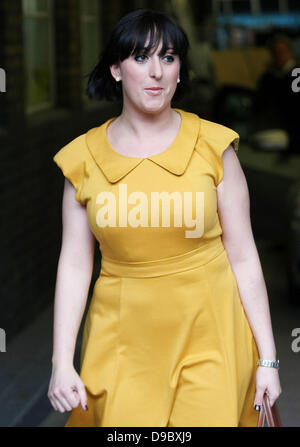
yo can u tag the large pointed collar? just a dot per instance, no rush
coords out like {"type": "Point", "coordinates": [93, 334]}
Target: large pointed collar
{"type": "Point", "coordinates": [175, 158]}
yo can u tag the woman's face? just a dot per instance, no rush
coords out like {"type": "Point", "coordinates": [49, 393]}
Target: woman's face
{"type": "Point", "coordinates": [139, 73]}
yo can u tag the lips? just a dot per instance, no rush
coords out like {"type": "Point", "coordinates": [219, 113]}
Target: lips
{"type": "Point", "coordinates": [154, 91]}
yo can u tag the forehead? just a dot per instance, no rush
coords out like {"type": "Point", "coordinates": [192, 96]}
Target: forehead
{"type": "Point", "coordinates": [149, 41]}
{"type": "Point", "coordinates": [157, 45]}
{"type": "Point", "coordinates": [158, 49]}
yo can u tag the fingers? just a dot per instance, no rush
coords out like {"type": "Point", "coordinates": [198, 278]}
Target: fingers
{"type": "Point", "coordinates": [56, 404]}
{"type": "Point", "coordinates": [260, 394]}
{"type": "Point", "coordinates": [267, 381]}
{"type": "Point", "coordinates": [63, 399]}
{"type": "Point", "coordinates": [273, 397]}
{"type": "Point", "coordinates": [259, 398]}
{"type": "Point", "coordinates": [82, 395]}
{"type": "Point", "coordinates": [68, 398]}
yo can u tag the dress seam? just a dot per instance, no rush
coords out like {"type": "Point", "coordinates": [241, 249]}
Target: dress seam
{"type": "Point", "coordinates": [183, 255]}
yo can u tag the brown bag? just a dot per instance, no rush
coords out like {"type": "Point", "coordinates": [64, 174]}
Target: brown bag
{"type": "Point", "coordinates": [270, 413]}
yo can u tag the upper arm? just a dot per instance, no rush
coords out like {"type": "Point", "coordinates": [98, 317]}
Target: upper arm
{"type": "Point", "coordinates": [234, 209]}
{"type": "Point", "coordinates": [78, 241]}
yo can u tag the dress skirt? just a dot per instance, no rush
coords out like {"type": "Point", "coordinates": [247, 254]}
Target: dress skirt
{"type": "Point", "coordinates": [166, 343]}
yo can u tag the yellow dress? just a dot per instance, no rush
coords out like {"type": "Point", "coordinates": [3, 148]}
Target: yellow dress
{"type": "Point", "coordinates": [166, 341]}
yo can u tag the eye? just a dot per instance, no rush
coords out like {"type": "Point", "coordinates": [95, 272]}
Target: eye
{"type": "Point", "coordinates": [140, 55]}
{"type": "Point", "coordinates": [171, 58]}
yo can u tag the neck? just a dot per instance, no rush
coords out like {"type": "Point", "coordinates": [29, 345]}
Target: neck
{"type": "Point", "coordinates": [143, 124]}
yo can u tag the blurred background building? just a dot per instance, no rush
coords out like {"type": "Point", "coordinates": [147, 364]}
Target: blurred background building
{"type": "Point", "coordinates": [238, 47]}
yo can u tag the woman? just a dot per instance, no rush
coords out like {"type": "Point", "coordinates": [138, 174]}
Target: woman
{"type": "Point", "coordinates": [166, 340]}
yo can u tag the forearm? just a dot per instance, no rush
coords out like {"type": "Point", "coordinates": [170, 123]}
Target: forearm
{"type": "Point", "coordinates": [254, 297]}
{"type": "Point", "coordinates": [71, 292]}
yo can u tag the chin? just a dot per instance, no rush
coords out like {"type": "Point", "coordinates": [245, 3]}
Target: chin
{"type": "Point", "coordinates": [157, 104]}
{"type": "Point", "coordinates": [155, 108]}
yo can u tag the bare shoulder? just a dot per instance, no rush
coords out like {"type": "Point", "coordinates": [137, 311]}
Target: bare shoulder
{"type": "Point", "coordinates": [234, 180]}
{"type": "Point", "coordinates": [78, 240]}
{"type": "Point", "coordinates": [234, 208]}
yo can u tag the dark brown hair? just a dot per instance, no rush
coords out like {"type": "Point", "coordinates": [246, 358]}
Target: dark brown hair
{"type": "Point", "coordinates": [128, 38]}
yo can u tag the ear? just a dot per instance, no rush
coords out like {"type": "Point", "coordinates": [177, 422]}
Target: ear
{"type": "Point", "coordinates": [115, 70]}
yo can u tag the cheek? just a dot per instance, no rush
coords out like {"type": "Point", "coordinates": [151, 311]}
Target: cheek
{"type": "Point", "coordinates": [132, 74]}
{"type": "Point", "coordinates": [173, 75]}
{"type": "Point", "coordinates": [133, 80]}
{"type": "Point", "coordinates": [174, 72]}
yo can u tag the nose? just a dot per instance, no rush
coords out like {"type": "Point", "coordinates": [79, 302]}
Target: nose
{"type": "Point", "coordinates": [155, 69]}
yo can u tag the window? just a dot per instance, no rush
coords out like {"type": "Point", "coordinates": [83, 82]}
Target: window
{"type": "Point", "coordinates": [38, 52]}
{"type": "Point", "coordinates": [90, 38]}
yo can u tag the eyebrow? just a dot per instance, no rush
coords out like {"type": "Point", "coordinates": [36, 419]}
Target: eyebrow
{"type": "Point", "coordinates": [170, 49]}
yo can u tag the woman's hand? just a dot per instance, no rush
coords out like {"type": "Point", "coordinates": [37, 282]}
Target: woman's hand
{"type": "Point", "coordinates": [66, 389]}
{"type": "Point", "coordinates": [267, 381]}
